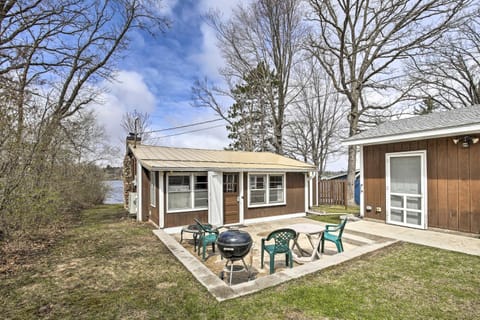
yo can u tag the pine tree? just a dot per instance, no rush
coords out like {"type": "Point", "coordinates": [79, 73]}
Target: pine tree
{"type": "Point", "coordinates": [428, 106]}
{"type": "Point", "coordinates": [251, 114]}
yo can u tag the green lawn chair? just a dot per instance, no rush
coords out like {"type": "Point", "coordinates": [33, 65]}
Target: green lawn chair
{"type": "Point", "coordinates": [208, 235]}
{"type": "Point", "coordinates": [333, 233]}
{"type": "Point", "coordinates": [281, 244]}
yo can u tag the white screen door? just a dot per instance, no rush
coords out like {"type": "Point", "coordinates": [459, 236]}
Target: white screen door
{"type": "Point", "coordinates": [215, 198]}
{"type": "Point", "coordinates": [406, 188]}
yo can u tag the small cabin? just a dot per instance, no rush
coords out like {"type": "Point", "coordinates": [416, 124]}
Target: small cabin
{"type": "Point", "coordinates": [172, 186]}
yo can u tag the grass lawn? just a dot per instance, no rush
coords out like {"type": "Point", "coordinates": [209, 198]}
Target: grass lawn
{"type": "Point", "coordinates": [332, 213]}
{"type": "Point", "coordinates": [110, 267]}
{"type": "Point", "coordinates": [337, 209]}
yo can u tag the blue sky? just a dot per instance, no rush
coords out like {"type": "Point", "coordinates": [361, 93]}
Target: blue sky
{"type": "Point", "coordinates": [157, 73]}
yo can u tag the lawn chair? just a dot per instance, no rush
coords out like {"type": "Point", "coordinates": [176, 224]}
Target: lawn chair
{"type": "Point", "coordinates": [333, 233]}
{"type": "Point", "coordinates": [208, 235]}
{"type": "Point", "coordinates": [281, 244]}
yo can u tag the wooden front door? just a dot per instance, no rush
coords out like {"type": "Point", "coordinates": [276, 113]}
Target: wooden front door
{"type": "Point", "coordinates": [230, 198]}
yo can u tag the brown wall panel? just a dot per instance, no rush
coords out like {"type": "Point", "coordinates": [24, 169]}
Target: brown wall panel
{"type": "Point", "coordinates": [452, 185]}
{"type": "Point", "coordinates": [432, 183]}
{"type": "Point", "coordinates": [453, 182]}
{"type": "Point", "coordinates": [295, 198]}
{"type": "Point", "coordinates": [475, 188]}
{"type": "Point", "coordinates": [145, 194]}
{"type": "Point", "coordinates": [184, 218]}
{"type": "Point", "coordinates": [295, 203]}
{"type": "Point", "coordinates": [442, 186]}
{"type": "Point", "coordinates": [463, 190]}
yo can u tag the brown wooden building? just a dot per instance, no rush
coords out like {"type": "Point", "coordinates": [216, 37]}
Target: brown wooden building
{"type": "Point", "coordinates": [175, 185]}
{"type": "Point", "coordinates": [423, 172]}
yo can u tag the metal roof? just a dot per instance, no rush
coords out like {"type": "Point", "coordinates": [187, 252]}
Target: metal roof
{"type": "Point", "coordinates": [184, 159]}
{"type": "Point", "coordinates": [459, 121]}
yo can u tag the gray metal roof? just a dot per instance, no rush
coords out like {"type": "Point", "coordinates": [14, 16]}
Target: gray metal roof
{"type": "Point", "coordinates": [184, 159]}
{"type": "Point", "coordinates": [452, 119]}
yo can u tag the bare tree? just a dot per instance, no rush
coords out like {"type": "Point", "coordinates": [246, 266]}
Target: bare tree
{"type": "Point", "coordinates": [449, 76]}
{"type": "Point", "coordinates": [361, 45]}
{"type": "Point", "coordinates": [267, 31]}
{"type": "Point", "coordinates": [137, 122]}
{"type": "Point", "coordinates": [53, 56]}
{"type": "Point", "coordinates": [315, 129]}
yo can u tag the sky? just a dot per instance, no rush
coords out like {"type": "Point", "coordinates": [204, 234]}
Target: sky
{"type": "Point", "coordinates": [156, 76]}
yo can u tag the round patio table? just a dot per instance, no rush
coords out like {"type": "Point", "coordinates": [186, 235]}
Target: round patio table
{"type": "Point", "coordinates": [195, 230]}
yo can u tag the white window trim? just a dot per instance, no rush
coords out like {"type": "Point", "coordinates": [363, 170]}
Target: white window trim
{"type": "Point", "coordinates": [192, 191]}
{"type": "Point", "coordinates": [153, 187]}
{"type": "Point", "coordinates": [267, 183]}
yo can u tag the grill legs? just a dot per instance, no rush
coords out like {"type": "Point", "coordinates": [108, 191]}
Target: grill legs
{"type": "Point", "coordinates": [229, 268]}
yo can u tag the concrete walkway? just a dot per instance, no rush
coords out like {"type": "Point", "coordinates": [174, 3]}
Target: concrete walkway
{"type": "Point", "coordinates": [436, 239]}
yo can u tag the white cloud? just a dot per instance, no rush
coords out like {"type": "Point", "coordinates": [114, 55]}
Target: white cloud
{"type": "Point", "coordinates": [125, 93]}
{"type": "Point", "coordinates": [225, 7]}
{"type": "Point", "coordinates": [165, 7]}
{"type": "Point", "coordinates": [210, 59]}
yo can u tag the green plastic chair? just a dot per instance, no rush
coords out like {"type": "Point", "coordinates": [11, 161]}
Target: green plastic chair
{"type": "Point", "coordinates": [281, 244]}
{"type": "Point", "coordinates": [208, 235]}
{"type": "Point", "coordinates": [333, 233]}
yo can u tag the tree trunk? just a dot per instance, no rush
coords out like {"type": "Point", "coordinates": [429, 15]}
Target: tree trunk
{"type": "Point", "coordinates": [352, 161]}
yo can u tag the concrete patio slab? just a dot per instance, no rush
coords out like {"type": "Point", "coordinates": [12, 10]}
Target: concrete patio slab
{"type": "Point", "coordinates": [360, 238]}
{"type": "Point", "coordinates": [355, 246]}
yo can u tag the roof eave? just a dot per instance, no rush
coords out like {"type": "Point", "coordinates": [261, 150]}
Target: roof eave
{"type": "Point", "coordinates": [412, 136]}
{"type": "Point", "coordinates": [232, 169]}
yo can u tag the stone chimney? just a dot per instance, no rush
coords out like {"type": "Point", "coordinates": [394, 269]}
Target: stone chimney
{"type": "Point", "coordinates": [130, 167]}
{"type": "Point", "coordinates": [133, 140]}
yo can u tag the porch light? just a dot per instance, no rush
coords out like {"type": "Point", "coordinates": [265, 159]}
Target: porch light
{"type": "Point", "coordinates": [466, 141]}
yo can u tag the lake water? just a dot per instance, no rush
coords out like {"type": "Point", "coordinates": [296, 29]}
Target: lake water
{"type": "Point", "coordinates": [116, 192]}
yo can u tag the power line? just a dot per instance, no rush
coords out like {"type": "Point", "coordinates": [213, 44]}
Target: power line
{"type": "Point", "coordinates": [185, 126]}
{"type": "Point", "coordinates": [191, 131]}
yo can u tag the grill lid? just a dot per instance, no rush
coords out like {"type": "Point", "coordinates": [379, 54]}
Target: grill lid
{"type": "Point", "coordinates": [233, 238]}
{"type": "Point", "coordinates": [234, 244]}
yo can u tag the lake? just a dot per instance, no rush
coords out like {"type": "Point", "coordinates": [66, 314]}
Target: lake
{"type": "Point", "coordinates": [115, 195]}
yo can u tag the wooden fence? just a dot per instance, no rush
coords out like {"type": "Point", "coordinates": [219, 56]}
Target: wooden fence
{"type": "Point", "coordinates": [330, 192]}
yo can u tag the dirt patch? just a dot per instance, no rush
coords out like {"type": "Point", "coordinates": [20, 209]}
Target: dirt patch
{"type": "Point", "coordinates": [165, 285]}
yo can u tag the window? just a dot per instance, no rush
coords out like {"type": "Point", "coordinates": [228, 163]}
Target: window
{"type": "Point", "coordinates": [275, 186]}
{"type": "Point", "coordinates": [153, 184]}
{"type": "Point", "coordinates": [266, 189]}
{"type": "Point", "coordinates": [201, 192]}
{"type": "Point", "coordinates": [258, 191]}
{"type": "Point", "coordinates": [187, 192]}
{"type": "Point", "coordinates": [230, 182]}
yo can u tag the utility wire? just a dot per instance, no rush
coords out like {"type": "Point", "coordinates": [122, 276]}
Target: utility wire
{"type": "Point", "coordinates": [184, 126]}
{"type": "Point", "coordinates": [191, 131]}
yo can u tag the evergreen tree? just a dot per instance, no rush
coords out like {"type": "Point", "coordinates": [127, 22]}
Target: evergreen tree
{"type": "Point", "coordinates": [428, 105]}
{"type": "Point", "coordinates": [251, 114]}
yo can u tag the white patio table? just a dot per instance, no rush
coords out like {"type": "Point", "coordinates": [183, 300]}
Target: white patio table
{"type": "Point", "coordinates": [314, 233]}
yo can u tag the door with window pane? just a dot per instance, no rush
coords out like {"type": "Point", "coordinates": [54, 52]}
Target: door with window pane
{"type": "Point", "coordinates": [406, 189]}
{"type": "Point", "coordinates": [230, 198]}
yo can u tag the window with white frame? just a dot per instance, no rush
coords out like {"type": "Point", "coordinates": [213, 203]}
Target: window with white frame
{"type": "Point", "coordinates": [153, 184]}
{"type": "Point", "coordinates": [276, 189]}
{"type": "Point", "coordinates": [266, 189]}
{"type": "Point", "coordinates": [187, 191]}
